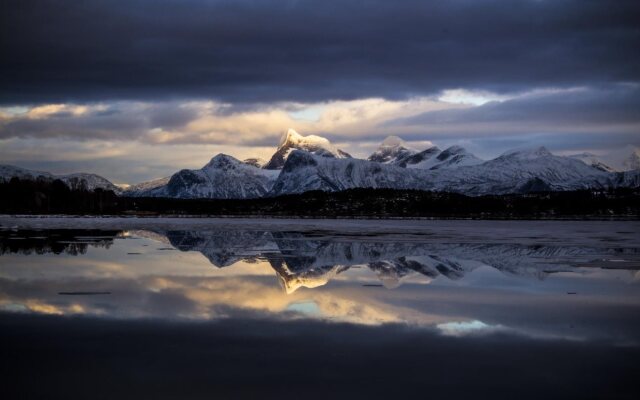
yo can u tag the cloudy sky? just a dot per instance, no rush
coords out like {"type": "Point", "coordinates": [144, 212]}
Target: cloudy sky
{"type": "Point", "coordinates": [138, 89]}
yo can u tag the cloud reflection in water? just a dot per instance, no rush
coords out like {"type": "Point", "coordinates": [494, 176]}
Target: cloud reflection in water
{"type": "Point", "coordinates": [458, 288]}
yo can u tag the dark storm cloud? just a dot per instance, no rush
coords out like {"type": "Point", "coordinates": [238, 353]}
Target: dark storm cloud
{"type": "Point", "coordinates": [261, 51]}
{"type": "Point", "coordinates": [170, 116]}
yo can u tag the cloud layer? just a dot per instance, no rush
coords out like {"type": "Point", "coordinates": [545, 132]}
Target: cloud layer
{"type": "Point", "coordinates": [307, 51]}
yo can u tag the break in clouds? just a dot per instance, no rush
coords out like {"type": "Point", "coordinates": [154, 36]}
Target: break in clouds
{"type": "Point", "coordinates": [112, 78]}
{"type": "Point", "coordinates": [611, 111]}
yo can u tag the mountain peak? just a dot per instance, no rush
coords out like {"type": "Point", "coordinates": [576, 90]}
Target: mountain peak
{"type": "Point", "coordinates": [592, 160]}
{"type": "Point", "coordinates": [255, 161]}
{"type": "Point", "coordinates": [222, 160]}
{"type": "Point", "coordinates": [432, 158]}
{"type": "Point", "coordinates": [528, 153]}
{"type": "Point", "coordinates": [456, 149]}
{"type": "Point", "coordinates": [393, 141]}
{"type": "Point", "coordinates": [292, 140]}
{"type": "Point", "coordinates": [392, 150]}
{"type": "Point", "coordinates": [222, 156]}
{"type": "Point", "coordinates": [290, 136]}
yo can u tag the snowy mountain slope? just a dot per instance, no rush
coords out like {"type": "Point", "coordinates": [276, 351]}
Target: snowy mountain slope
{"type": "Point", "coordinates": [433, 158]}
{"type": "Point", "coordinates": [292, 140]}
{"type": "Point", "coordinates": [9, 171]}
{"type": "Point", "coordinates": [303, 172]}
{"type": "Point", "coordinates": [88, 181]}
{"type": "Point", "coordinates": [516, 171]}
{"type": "Point", "coordinates": [513, 172]}
{"type": "Point", "coordinates": [421, 160]}
{"type": "Point", "coordinates": [456, 156]}
{"type": "Point", "coordinates": [622, 159]}
{"type": "Point", "coordinates": [224, 177]}
{"type": "Point", "coordinates": [140, 189]}
{"type": "Point", "coordinates": [393, 150]}
{"type": "Point", "coordinates": [73, 181]}
{"type": "Point", "coordinates": [593, 160]}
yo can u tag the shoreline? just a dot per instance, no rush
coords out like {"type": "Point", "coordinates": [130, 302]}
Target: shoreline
{"type": "Point", "coordinates": [547, 232]}
{"type": "Point", "coordinates": [329, 217]}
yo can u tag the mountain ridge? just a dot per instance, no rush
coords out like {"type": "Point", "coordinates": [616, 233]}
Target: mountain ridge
{"type": "Point", "coordinates": [303, 163]}
{"type": "Point", "coordinates": [219, 178]}
{"type": "Point", "coordinates": [77, 180]}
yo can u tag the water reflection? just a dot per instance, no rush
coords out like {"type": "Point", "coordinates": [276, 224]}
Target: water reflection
{"type": "Point", "coordinates": [303, 260]}
{"type": "Point", "coordinates": [54, 241]}
{"type": "Point", "coordinates": [463, 287]}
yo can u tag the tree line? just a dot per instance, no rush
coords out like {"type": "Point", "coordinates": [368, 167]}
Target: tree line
{"type": "Point", "coordinates": [55, 197]}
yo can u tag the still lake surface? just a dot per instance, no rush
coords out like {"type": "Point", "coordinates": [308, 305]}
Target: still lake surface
{"type": "Point", "coordinates": [194, 308]}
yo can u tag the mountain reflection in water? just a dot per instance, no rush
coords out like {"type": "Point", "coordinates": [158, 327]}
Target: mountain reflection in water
{"type": "Point", "coordinates": [304, 260]}
{"type": "Point", "coordinates": [361, 302]}
{"type": "Point", "coordinates": [438, 283]}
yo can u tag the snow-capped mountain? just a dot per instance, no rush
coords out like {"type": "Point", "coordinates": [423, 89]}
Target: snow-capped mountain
{"type": "Point", "coordinates": [421, 160]}
{"type": "Point", "coordinates": [515, 171]}
{"type": "Point", "coordinates": [394, 151]}
{"type": "Point", "coordinates": [312, 163]}
{"type": "Point", "coordinates": [529, 170]}
{"type": "Point", "coordinates": [593, 160]}
{"type": "Point", "coordinates": [88, 181]}
{"type": "Point", "coordinates": [304, 172]}
{"type": "Point", "coordinates": [625, 159]}
{"type": "Point", "coordinates": [73, 181]}
{"type": "Point", "coordinates": [521, 171]}
{"type": "Point", "coordinates": [304, 163]}
{"type": "Point", "coordinates": [141, 188]}
{"type": "Point", "coordinates": [433, 158]}
{"type": "Point", "coordinates": [9, 171]}
{"type": "Point", "coordinates": [292, 140]}
{"type": "Point", "coordinates": [224, 177]}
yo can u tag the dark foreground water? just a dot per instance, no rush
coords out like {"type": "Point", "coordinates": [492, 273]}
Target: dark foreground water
{"type": "Point", "coordinates": [162, 308]}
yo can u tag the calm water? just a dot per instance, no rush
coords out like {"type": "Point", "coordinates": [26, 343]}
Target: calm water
{"type": "Point", "coordinates": [204, 308]}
